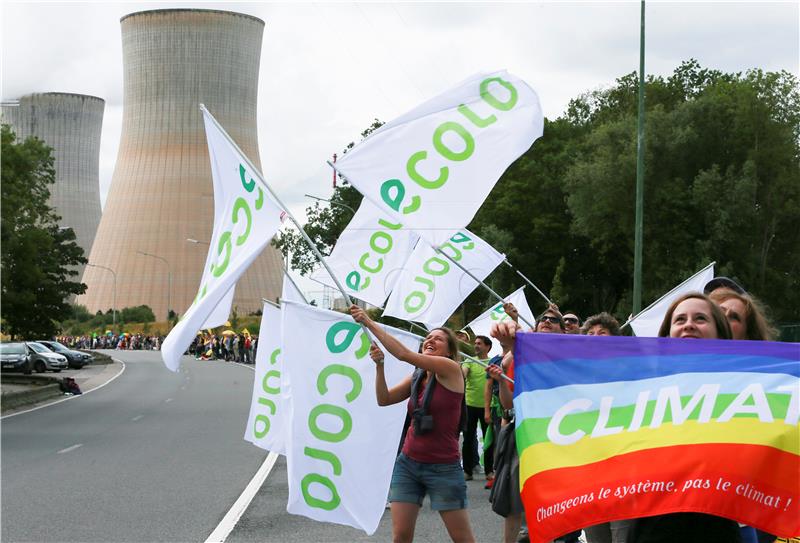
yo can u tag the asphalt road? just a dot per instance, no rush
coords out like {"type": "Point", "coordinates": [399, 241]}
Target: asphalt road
{"type": "Point", "coordinates": [152, 456]}
{"type": "Point", "coordinates": [157, 456]}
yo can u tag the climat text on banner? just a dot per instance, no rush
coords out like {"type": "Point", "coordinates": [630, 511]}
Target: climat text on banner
{"type": "Point", "coordinates": [611, 428]}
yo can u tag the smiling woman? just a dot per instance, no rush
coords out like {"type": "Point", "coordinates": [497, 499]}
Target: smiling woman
{"type": "Point", "coordinates": [429, 462]}
{"type": "Point", "coordinates": [692, 316]}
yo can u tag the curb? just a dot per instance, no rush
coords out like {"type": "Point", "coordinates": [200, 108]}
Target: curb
{"type": "Point", "coordinates": [39, 393]}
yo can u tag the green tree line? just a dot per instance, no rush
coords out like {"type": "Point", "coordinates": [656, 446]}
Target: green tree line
{"type": "Point", "coordinates": [38, 257]}
{"type": "Point", "coordinates": [722, 183]}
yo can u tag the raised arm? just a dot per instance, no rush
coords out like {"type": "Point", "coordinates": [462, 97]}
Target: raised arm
{"type": "Point", "coordinates": [435, 361]}
{"type": "Point", "coordinates": [383, 394]}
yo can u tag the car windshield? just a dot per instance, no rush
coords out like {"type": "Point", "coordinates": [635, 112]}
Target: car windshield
{"type": "Point", "coordinates": [38, 347]}
{"type": "Point", "coordinates": [55, 346]}
{"type": "Point", "coordinates": [12, 348]}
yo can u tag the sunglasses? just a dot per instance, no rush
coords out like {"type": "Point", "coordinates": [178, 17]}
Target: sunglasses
{"type": "Point", "coordinates": [550, 319]}
{"type": "Point", "coordinates": [571, 320]}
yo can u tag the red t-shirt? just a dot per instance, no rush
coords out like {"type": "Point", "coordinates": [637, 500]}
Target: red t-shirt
{"type": "Point", "coordinates": [439, 445]}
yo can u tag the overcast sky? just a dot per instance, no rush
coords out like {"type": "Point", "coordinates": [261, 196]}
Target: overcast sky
{"type": "Point", "coordinates": [328, 69]}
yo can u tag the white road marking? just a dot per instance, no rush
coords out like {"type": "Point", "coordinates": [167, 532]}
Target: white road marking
{"type": "Point", "coordinates": [168, 400]}
{"type": "Point", "coordinates": [68, 397]}
{"type": "Point", "coordinates": [137, 417]}
{"type": "Point", "coordinates": [68, 449]}
{"type": "Point", "coordinates": [228, 522]}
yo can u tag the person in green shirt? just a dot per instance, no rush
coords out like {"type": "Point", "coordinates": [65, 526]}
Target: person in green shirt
{"type": "Point", "coordinates": [475, 383]}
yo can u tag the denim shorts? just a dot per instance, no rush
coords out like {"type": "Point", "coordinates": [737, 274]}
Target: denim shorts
{"type": "Point", "coordinates": [444, 483]}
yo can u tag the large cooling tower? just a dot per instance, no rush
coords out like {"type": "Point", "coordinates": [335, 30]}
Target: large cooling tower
{"type": "Point", "coordinates": [161, 193]}
{"type": "Point", "coordinates": [71, 125]}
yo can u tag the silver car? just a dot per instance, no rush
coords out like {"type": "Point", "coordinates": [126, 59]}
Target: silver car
{"type": "Point", "coordinates": [44, 359]}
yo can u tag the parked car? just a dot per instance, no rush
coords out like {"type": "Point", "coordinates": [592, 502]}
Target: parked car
{"type": "Point", "coordinates": [14, 357]}
{"type": "Point", "coordinates": [44, 359]}
{"type": "Point", "coordinates": [76, 359]}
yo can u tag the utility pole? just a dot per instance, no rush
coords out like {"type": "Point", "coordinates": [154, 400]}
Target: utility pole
{"type": "Point", "coordinates": [638, 234]}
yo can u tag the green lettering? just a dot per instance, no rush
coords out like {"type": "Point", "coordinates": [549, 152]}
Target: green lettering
{"type": "Point", "coordinates": [456, 253]}
{"type": "Point", "coordinates": [273, 358]}
{"type": "Point", "coordinates": [373, 242]}
{"type": "Point", "coordinates": [264, 420]}
{"type": "Point", "coordinates": [269, 403]}
{"type": "Point", "coordinates": [328, 505]}
{"type": "Point", "coordinates": [389, 225]}
{"type": "Point", "coordinates": [339, 369]}
{"type": "Point", "coordinates": [268, 389]}
{"type": "Point", "coordinates": [461, 237]}
{"type": "Point", "coordinates": [350, 329]}
{"type": "Point", "coordinates": [248, 186]}
{"type": "Point", "coordinates": [490, 99]}
{"type": "Point", "coordinates": [325, 456]}
{"type": "Point", "coordinates": [363, 263]}
{"type": "Point", "coordinates": [473, 117]}
{"type": "Point", "coordinates": [411, 169]}
{"type": "Point", "coordinates": [399, 193]}
{"type": "Point", "coordinates": [444, 266]}
{"type": "Point", "coordinates": [409, 304]}
{"type": "Point", "coordinates": [260, 199]}
{"type": "Point", "coordinates": [241, 204]}
{"type": "Point", "coordinates": [224, 242]}
{"type": "Point", "coordinates": [446, 152]}
{"type": "Point", "coordinates": [352, 280]}
{"type": "Point", "coordinates": [334, 411]}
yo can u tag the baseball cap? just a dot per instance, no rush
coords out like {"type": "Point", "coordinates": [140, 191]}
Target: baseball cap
{"type": "Point", "coordinates": [723, 282]}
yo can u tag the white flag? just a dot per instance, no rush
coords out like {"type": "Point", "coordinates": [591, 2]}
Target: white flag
{"type": "Point", "coordinates": [290, 290]}
{"type": "Point", "coordinates": [482, 325]}
{"type": "Point", "coordinates": [250, 221]}
{"type": "Point", "coordinates": [266, 423]}
{"type": "Point", "coordinates": [432, 168]}
{"type": "Point", "coordinates": [368, 255]}
{"type": "Point", "coordinates": [647, 322]}
{"type": "Point", "coordinates": [341, 444]}
{"type": "Point", "coordinates": [267, 420]}
{"type": "Point", "coordinates": [431, 287]}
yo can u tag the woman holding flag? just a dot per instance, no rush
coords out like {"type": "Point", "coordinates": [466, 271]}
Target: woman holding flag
{"type": "Point", "coordinates": [429, 462]}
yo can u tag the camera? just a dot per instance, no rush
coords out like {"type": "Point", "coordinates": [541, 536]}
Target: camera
{"type": "Point", "coordinates": [422, 423]}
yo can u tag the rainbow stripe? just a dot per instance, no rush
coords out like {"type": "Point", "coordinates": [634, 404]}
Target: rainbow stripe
{"type": "Point", "coordinates": [621, 427]}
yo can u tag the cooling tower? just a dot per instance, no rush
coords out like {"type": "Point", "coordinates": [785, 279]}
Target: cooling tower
{"type": "Point", "coordinates": [71, 125]}
{"type": "Point", "coordinates": [161, 192]}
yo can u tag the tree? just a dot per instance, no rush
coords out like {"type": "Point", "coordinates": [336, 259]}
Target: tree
{"type": "Point", "coordinates": [38, 257]}
{"type": "Point", "coordinates": [722, 183]}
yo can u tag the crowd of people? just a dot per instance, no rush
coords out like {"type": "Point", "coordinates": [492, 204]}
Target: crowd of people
{"type": "Point", "coordinates": [448, 397]}
{"type": "Point", "coordinates": [123, 341]}
{"type": "Point", "coordinates": [227, 346]}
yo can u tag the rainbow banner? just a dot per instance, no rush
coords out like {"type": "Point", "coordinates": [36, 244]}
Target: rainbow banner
{"type": "Point", "coordinates": [610, 428]}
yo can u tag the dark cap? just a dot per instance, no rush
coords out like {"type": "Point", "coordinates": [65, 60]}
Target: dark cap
{"type": "Point", "coordinates": [723, 282]}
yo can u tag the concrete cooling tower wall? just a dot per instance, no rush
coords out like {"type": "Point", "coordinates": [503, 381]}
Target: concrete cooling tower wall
{"type": "Point", "coordinates": [71, 125]}
{"type": "Point", "coordinates": [161, 192]}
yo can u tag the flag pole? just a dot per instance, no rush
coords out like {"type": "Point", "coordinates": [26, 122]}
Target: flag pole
{"type": "Point", "coordinates": [264, 184]}
{"type": "Point", "coordinates": [484, 285]}
{"type": "Point", "coordinates": [270, 302]}
{"type": "Point", "coordinates": [630, 320]}
{"type": "Point", "coordinates": [639, 217]}
{"type": "Point", "coordinates": [542, 294]}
